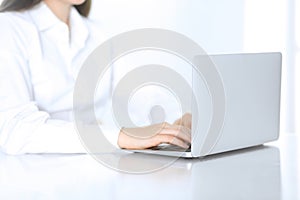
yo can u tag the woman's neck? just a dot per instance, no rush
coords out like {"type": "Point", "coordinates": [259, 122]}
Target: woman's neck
{"type": "Point", "coordinates": [60, 9]}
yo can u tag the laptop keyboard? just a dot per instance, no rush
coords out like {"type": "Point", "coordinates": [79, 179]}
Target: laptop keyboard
{"type": "Point", "coordinates": [170, 147]}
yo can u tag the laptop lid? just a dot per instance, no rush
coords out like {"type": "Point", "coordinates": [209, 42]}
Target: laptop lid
{"type": "Point", "coordinates": [251, 89]}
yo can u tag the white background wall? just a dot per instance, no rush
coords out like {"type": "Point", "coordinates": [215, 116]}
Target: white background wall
{"type": "Point", "coordinates": [217, 25]}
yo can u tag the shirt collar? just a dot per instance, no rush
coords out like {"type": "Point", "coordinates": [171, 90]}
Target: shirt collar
{"type": "Point", "coordinates": [45, 19]}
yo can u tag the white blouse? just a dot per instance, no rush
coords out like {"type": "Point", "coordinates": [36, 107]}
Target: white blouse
{"type": "Point", "coordinates": [39, 62]}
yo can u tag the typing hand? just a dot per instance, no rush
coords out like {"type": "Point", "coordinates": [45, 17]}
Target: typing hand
{"type": "Point", "coordinates": [185, 120]}
{"type": "Point", "coordinates": [178, 133]}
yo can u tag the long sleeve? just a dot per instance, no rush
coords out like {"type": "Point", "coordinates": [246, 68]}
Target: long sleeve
{"type": "Point", "coordinates": [23, 127]}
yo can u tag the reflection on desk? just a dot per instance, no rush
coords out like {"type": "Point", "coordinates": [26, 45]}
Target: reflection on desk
{"type": "Point", "coordinates": [247, 174]}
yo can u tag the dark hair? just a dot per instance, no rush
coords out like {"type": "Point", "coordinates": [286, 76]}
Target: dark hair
{"type": "Point", "coordinates": [20, 5]}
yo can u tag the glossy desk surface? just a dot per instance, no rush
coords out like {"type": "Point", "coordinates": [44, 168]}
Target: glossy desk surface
{"type": "Point", "coordinates": [266, 172]}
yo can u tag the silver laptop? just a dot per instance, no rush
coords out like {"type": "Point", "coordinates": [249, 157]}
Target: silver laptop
{"type": "Point", "coordinates": [238, 109]}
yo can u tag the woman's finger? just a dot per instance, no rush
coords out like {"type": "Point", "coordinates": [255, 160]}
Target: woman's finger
{"type": "Point", "coordinates": [170, 139]}
{"type": "Point", "coordinates": [180, 132]}
{"type": "Point", "coordinates": [185, 120]}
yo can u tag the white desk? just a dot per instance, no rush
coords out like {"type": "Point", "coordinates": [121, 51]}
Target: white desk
{"type": "Point", "coordinates": [269, 172]}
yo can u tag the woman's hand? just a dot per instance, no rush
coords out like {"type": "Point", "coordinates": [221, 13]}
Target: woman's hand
{"type": "Point", "coordinates": [178, 134]}
{"type": "Point", "coordinates": [185, 120]}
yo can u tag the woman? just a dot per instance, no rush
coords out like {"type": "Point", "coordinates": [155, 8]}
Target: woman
{"type": "Point", "coordinates": [42, 46]}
